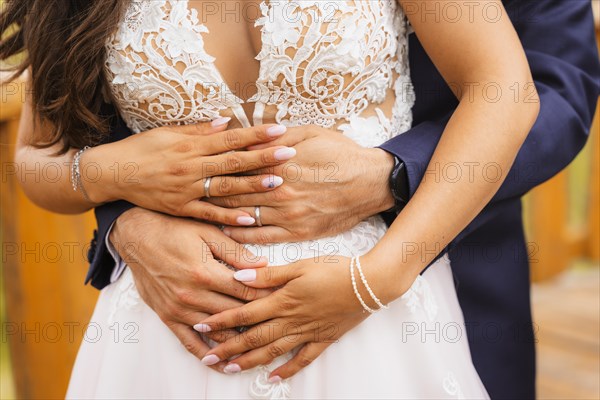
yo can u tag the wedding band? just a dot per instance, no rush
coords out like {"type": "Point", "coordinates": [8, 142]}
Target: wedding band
{"type": "Point", "coordinates": [207, 187]}
{"type": "Point", "coordinates": [257, 216]}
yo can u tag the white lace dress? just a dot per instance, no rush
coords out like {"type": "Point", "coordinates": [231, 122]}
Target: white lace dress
{"type": "Point", "coordinates": [339, 64]}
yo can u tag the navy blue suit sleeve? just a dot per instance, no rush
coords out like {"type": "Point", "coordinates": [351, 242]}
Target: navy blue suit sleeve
{"type": "Point", "coordinates": [559, 40]}
{"type": "Point", "coordinates": [100, 259]}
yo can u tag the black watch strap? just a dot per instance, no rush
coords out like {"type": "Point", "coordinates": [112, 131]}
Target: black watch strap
{"type": "Point", "coordinates": [399, 184]}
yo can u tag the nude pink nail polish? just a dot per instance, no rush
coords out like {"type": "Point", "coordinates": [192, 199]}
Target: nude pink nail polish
{"type": "Point", "coordinates": [276, 130]}
{"type": "Point", "coordinates": [202, 328]}
{"type": "Point", "coordinates": [232, 368]}
{"type": "Point", "coordinates": [245, 221]}
{"type": "Point", "coordinates": [272, 182]}
{"type": "Point", "coordinates": [285, 153]}
{"type": "Point", "coordinates": [274, 379]}
{"type": "Point", "coordinates": [220, 121]}
{"type": "Point", "coordinates": [245, 275]}
{"type": "Point", "coordinates": [210, 360]}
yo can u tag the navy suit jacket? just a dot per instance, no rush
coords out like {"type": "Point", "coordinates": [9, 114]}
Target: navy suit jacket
{"type": "Point", "coordinates": [489, 258]}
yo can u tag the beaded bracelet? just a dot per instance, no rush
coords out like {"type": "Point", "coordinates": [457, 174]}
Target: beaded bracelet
{"type": "Point", "coordinates": [76, 174]}
{"type": "Point", "coordinates": [355, 261]}
{"type": "Point", "coordinates": [358, 296]}
{"type": "Point", "coordinates": [364, 281]}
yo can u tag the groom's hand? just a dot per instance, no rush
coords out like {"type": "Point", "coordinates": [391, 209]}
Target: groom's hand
{"type": "Point", "coordinates": [176, 274]}
{"type": "Point", "coordinates": [331, 185]}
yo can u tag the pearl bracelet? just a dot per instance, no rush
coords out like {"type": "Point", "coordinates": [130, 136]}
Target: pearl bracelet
{"type": "Point", "coordinates": [364, 281]}
{"type": "Point", "coordinates": [356, 261]}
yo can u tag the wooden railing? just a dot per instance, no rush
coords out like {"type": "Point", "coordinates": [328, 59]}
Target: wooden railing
{"type": "Point", "coordinates": [43, 259]}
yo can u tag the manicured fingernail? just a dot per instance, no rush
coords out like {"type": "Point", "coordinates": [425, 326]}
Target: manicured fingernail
{"type": "Point", "coordinates": [276, 130]}
{"type": "Point", "coordinates": [226, 232]}
{"type": "Point", "coordinates": [232, 369]}
{"type": "Point", "coordinates": [272, 182]}
{"type": "Point", "coordinates": [245, 275]}
{"type": "Point", "coordinates": [285, 153]}
{"type": "Point", "coordinates": [202, 328]}
{"type": "Point", "coordinates": [210, 360]}
{"type": "Point", "coordinates": [274, 379]}
{"type": "Point", "coordinates": [245, 220]}
{"type": "Point", "coordinates": [220, 121]}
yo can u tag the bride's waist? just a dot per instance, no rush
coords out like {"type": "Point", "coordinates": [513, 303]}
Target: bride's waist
{"type": "Point", "coordinates": [354, 242]}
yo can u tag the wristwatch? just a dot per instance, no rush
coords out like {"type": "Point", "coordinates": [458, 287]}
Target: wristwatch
{"type": "Point", "coordinates": [399, 185]}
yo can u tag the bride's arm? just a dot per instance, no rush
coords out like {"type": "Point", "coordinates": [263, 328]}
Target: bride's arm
{"type": "Point", "coordinates": [483, 61]}
{"type": "Point", "coordinates": [45, 176]}
{"type": "Point", "coordinates": [163, 169]}
{"type": "Point", "coordinates": [488, 129]}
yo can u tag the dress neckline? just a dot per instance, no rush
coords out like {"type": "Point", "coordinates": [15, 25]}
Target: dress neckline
{"type": "Point", "coordinates": [238, 110]}
{"type": "Point", "coordinates": [315, 69]}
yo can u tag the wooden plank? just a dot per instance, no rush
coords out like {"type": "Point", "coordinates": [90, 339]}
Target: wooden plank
{"type": "Point", "coordinates": [548, 218]}
{"type": "Point", "coordinates": [566, 313]}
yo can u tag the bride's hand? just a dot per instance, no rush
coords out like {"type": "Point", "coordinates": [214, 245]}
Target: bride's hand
{"type": "Point", "coordinates": [165, 169]}
{"type": "Point", "coordinates": [315, 306]}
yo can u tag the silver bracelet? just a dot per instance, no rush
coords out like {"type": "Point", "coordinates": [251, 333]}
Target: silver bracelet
{"type": "Point", "coordinates": [364, 281]}
{"type": "Point", "coordinates": [76, 174]}
{"type": "Point", "coordinates": [358, 296]}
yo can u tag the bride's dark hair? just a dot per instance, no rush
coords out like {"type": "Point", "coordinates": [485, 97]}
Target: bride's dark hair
{"type": "Point", "coordinates": [62, 43]}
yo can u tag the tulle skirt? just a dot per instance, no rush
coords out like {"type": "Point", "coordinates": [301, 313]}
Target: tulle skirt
{"type": "Point", "coordinates": [415, 349]}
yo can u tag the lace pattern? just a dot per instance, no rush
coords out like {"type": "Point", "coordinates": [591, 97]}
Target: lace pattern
{"type": "Point", "coordinates": [127, 297]}
{"type": "Point", "coordinates": [262, 389]}
{"type": "Point", "coordinates": [452, 387]}
{"type": "Point", "coordinates": [342, 63]}
{"type": "Point", "coordinates": [420, 297]}
{"type": "Point", "coordinates": [321, 62]}
{"type": "Point", "coordinates": [159, 70]}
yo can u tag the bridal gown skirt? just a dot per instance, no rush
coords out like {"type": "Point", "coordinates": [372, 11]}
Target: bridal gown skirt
{"type": "Point", "coordinates": [415, 349]}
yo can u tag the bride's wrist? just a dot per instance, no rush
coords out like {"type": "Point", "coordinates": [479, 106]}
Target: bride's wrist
{"type": "Point", "coordinates": [389, 276]}
{"type": "Point", "coordinates": [95, 170]}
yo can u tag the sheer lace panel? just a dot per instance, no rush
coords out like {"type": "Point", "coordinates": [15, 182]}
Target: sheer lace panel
{"type": "Point", "coordinates": [336, 64]}
{"type": "Point", "coordinates": [159, 70]}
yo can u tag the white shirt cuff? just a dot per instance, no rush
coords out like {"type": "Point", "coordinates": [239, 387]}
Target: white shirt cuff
{"type": "Point", "coordinates": [119, 263]}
